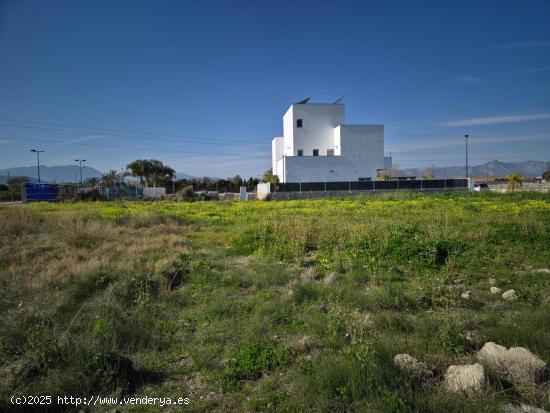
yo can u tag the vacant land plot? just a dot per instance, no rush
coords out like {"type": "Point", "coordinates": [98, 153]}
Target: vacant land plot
{"type": "Point", "coordinates": [287, 306]}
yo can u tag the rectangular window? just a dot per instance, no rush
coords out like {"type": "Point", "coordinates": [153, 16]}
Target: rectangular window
{"type": "Point", "coordinates": [299, 123]}
{"type": "Point", "coordinates": [300, 152]}
{"type": "Point", "coordinates": [316, 152]}
{"type": "Point", "coordinates": [330, 152]}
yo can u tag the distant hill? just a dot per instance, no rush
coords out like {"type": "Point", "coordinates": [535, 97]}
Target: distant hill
{"type": "Point", "coordinates": [529, 169]}
{"type": "Point", "coordinates": [71, 173]}
{"type": "Point", "coordinates": [64, 173]}
{"type": "Point", "coordinates": [181, 175]}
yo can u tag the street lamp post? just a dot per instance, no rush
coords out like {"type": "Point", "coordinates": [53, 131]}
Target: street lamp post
{"type": "Point", "coordinates": [38, 161]}
{"type": "Point", "coordinates": [80, 165]}
{"type": "Point", "coordinates": [466, 137]}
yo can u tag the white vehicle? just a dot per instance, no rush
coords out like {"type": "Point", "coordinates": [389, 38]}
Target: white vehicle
{"type": "Point", "coordinates": [480, 187]}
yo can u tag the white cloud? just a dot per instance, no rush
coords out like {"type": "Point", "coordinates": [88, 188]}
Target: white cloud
{"type": "Point", "coordinates": [82, 139]}
{"type": "Point", "coordinates": [497, 120]}
{"type": "Point", "coordinates": [446, 142]}
{"type": "Point", "coordinates": [4, 141]}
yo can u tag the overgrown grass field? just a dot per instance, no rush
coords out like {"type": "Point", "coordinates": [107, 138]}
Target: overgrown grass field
{"type": "Point", "coordinates": [271, 306]}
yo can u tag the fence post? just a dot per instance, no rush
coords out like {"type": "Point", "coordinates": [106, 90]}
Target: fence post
{"type": "Point", "coordinates": [325, 187]}
{"type": "Point", "coordinates": [349, 186]}
{"type": "Point", "coordinates": [445, 185]}
{"type": "Point", "coordinates": [300, 186]}
{"type": "Point", "coordinates": [398, 184]}
{"type": "Point", "coordinates": [421, 185]}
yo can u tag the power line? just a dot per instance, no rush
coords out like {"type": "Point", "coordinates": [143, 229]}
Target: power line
{"type": "Point", "coordinates": [229, 155]}
{"type": "Point", "coordinates": [133, 112]}
{"type": "Point", "coordinates": [186, 139]}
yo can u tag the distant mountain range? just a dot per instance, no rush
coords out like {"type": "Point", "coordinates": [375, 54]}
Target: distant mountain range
{"type": "Point", "coordinates": [529, 169]}
{"type": "Point", "coordinates": [58, 174]}
{"type": "Point", "coordinates": [71, 173]}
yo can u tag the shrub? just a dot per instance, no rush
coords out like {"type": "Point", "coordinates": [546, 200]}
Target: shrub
{"type": "Point", "coordinates": [254, 358]}
{"type": "Point", "coordinates": [304, 292]}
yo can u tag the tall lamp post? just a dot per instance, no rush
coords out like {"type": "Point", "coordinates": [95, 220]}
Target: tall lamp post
{"type": "Point", "coordinates": [38, 161]}
{"type": "Point", "coordinates": [80, 165]}
{"type": "Point", "coordinates": [466, 137]}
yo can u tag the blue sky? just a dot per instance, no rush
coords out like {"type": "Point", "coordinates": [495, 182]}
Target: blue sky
{"type": "Point", "coordinates": [202, 86]}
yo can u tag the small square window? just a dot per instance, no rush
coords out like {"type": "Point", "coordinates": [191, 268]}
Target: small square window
{"type": "Point", "coordinates": [299, 123]}
{"type": "Point", "coordinates": [300, 152]}
{"type": "Point", "coordinates": [316, 152]}
{"type": "Point", "coordinates": [330, 152]}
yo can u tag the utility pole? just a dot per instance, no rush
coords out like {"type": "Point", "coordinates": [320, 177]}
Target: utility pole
{"type": "Point", "coordinates": [466, 137]}
{"type": "Point", "coordinates": [80, 163]}
{"type": "Point", "coordinates": [38, 161]}
{"type": "Point", "coordinates": [433, 176]}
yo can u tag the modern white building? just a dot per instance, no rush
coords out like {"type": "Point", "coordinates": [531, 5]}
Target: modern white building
{"type": "Point", "coordinates": [318, 146]}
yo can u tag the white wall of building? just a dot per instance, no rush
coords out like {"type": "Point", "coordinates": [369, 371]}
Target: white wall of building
{"type": "Point", "coordinates": [317, 132]}
{"type": "Point", "coordinates": [358, 149]}
{"type": "Point", "coordinates": [288, 132]}
{"type": "Point", "coordinates": [363, 145]}
{"type": "Point", "coordinates": [277, 146]}
{"type": "Point", "coordinates": [318, 169]}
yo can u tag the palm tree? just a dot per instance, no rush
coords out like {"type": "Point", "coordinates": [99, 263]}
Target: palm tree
{"type": "Point", "coordinates": [92, 181]}
{"type": "Point", "coordinates": [513, 180]}
{"type": "Point", "coordinates": [167, 174]}
{"type": "Point", "coordinates": [110, 178]}
{"type": "Point", "coordinates": [138, 168]}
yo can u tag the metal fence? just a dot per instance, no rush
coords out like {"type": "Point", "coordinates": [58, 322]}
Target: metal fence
{"type": "Point", "coordinates": [32, 192]}
{"type": "Point", "coordinates": [417, 184]}
{"type": "Point", "coordinates": [40, 192]}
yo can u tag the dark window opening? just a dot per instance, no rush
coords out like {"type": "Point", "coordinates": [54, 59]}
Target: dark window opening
{"type": "Point", "coordinates": [299, 123]}
{"type": "Point", "coordinates": [365, 179]}
{"type": "Point", "coordinates": [316, 152]}
{"type": "Point", "coordinates": [300, 152]}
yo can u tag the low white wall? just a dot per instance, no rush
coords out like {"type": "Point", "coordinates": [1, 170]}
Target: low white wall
{"type": "Point", "coordinates": [263, 191]}
{"type": "Point", "coordinates": [154, 193]}
{"type": "Point", "coordinates": [319, 169]}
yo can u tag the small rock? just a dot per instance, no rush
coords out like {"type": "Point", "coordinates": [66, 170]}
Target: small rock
{"type": "Point", "coordinates": [411, 365]}
{"type": "Point", "coordinates": [329, 279]}
{"type": "Point", "coordinates": [543, 271]}
{"type": "Point", "coordinates": [466, 295]}
{"type": "Point", "coordinates": [467, 378]}
{"type": "Point", "coordinates": [523, 408]}
{"type": "Point", "coordinates": [494, 290]}
{"type": "Point", "coordinates": [527, 408]}
{"type": "Point", "coordinates": [308, 274]}
{"type": "Point", "coordinates": [517, 364]}
{"type": "Point", "coordinates": [509, 295]}
{"type": "Point", "coordinates": [305, 343]}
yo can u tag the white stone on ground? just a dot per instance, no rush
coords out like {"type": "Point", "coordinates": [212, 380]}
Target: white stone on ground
{"type": "Point", "coordinates": [523, 408]}
{"type": "Point", "coordinates": [509, 295]}
{"type": "Point", "coordinates": [466, 295]}
{"type": "Point", "coordinates": [494, 290]}
{"type": "Point", "coordinates": [411, 365]}
{"type": "Point", "coordinates": [467, 378]}
{"type": "Point", "coordinates": [518, 364]}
